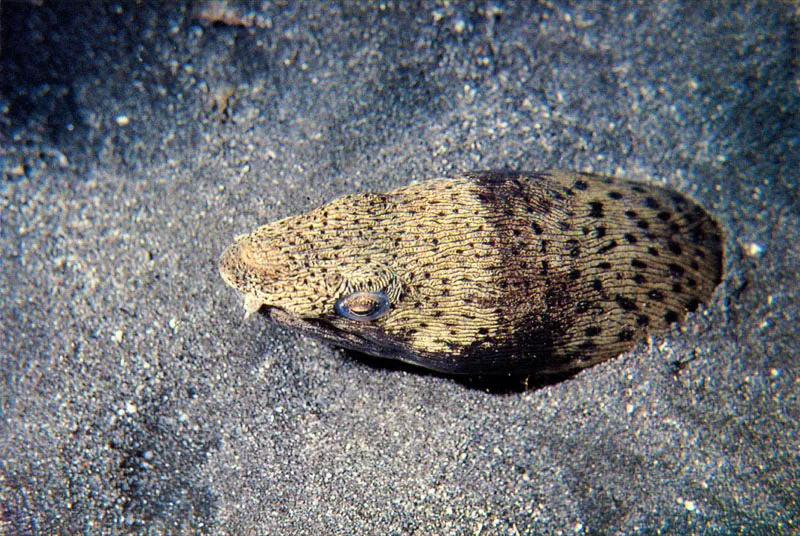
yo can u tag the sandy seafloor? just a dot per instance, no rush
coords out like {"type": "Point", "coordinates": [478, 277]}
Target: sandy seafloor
{"type": "Point", "coordinates": [138, 139]}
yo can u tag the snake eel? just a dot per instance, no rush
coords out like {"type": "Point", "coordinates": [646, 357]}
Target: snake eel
{"type": "Point", "coordinates": [491, 272]}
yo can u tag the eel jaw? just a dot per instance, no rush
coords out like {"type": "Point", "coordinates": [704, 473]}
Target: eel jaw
{"type": "Point", "coordinates": [335, 335]}
{"type": "Point", "coordinates": [252, 304]}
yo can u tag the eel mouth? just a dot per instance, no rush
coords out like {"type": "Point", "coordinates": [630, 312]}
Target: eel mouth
{"type": "Point", "coordinates": [338, 336]}
{"type": "Point", "coordinates": [371, 344]}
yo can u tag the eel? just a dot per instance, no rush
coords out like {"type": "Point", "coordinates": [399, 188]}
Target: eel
{"type": "Point", "coordinates": [485, 273]}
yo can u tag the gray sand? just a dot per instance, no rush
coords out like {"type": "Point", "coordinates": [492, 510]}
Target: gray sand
{"type": "Point", "coordinates": [138, 140]}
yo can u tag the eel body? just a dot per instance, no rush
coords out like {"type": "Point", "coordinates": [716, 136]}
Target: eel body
{"type": "Point", "coordinates": [486, 273]}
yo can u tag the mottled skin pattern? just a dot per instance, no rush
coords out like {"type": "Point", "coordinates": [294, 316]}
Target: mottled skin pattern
{"type": "Point", "coordinates": [489, 272]}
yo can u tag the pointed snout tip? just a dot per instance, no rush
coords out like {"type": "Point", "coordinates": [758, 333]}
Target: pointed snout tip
{"type": "Point", "coordinates": [236, 265]}
{"type": "Point", "coordinates": [228, 261]}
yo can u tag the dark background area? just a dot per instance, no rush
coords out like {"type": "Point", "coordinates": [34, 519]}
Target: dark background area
{"type": "Point", "coordinates": [138, 138]}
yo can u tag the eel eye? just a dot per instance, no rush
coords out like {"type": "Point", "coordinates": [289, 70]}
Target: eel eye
{"type": "Point", "coordinates": [363, 306]}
